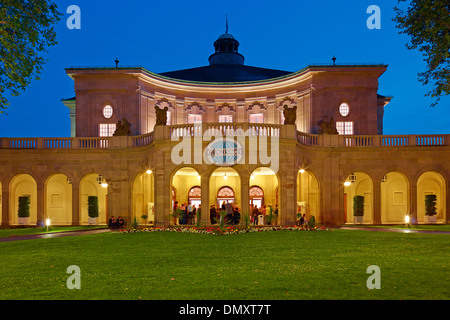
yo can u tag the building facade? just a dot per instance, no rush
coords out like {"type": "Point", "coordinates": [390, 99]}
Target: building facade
{"type": "Point", "coordinates": [306, 142]}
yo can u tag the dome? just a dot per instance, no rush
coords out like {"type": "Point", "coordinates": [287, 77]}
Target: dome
{"type": "Point", "coordinates": [226, 36]}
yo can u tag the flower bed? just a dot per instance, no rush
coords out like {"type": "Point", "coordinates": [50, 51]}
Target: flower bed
{"type": "Point", "coordinates": [218, 231]}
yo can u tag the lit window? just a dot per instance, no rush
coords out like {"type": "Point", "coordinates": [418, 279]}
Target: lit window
{"type": "Point", "coordinates": [226, 119]}
{"type": "Point", "coordinates": [344, 109]}
{"type": "Point", "coordinates": [107, 129]}
{"type": "Point", "coordinates": [195, 118]}
{"type": "Point", "coordinates": [256, 118]}
{"type": "Point", "coordinates": [107, 112]}
{"type": "Point", "coordinates": [344, 127]}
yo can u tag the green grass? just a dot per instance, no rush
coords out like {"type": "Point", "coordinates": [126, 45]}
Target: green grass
{"type": "Point", "coordinates": [279, 265]}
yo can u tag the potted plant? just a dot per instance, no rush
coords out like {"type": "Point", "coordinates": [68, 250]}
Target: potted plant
{"type": "Point", "coordinates": [430, 208]}
{"type": "Point", "coordinates": [24, 210]}
{"type": "Point", "coordinates": [93, 209]}
{"type": "Point", "coordinates": [144, 217]}
{"type": "Point", "coordinates": [358, 209]}
{"type": "Point", "coordinates": [270, 217]}
{"type": "Point", "coordinates": [176, 216]}
{"type": "Point", "coordinates": [223, 216]}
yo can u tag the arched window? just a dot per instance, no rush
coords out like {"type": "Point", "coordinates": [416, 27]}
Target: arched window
{"type": "Point", "coordinates": [256, 195]}
{"type": "Point", "coordinates": [225, 194]}
{"type": "Point", "coordinates": [195, 196]}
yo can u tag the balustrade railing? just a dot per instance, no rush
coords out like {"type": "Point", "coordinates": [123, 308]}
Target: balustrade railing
{"type": "Point", "coordinates": [230, 129]}
{"type": "Point", "coordinates": [223, 128]}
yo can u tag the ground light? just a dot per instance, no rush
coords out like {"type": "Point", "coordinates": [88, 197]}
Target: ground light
{"type": "Point", "coordinates": [47, 223]}
{"type": "Point", "coordinates": [407, 220]}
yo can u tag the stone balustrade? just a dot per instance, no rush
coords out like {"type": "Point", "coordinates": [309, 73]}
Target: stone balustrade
{"type": "Point", "coordinates": [231, 129]}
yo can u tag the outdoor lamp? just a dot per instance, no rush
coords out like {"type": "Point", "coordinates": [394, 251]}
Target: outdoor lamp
{"type": "Point", "coordinates": [104, 185]}
{"type": "Point", "coordinates": [407, 219]}
{"type": "Point", "coordinates": [149, 171]}
{"type": "Point", "coordinates": [302, 170]}
{"type": "Point", "coordinates": [347, 183]}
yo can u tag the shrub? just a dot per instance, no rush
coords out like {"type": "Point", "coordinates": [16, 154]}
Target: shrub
{"type": "Point", "coordinates": [430, 204]}
{"type": "Point", "coordinates": [93, 206]}
{"type": "Point", "coordinates": [358, 206]}
{"type": "Point", "coordinates": [312, 222]}
{"type": "Point", "coordinates": [24, 207]}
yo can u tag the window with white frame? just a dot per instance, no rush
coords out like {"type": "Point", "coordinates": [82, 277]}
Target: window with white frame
{"type": "Point", "coordinates": [107, 112]}
{"type": "Point", "coordinates": [107, 129]}
{"type": "Point", "coordinates": [256, 118]}
{"type": "Point", "coordinates": [225, 119]}
{"type": "Point", "coordinates": [344, 109]}
{"type": "Point", "coordinates": [195, 118]}
{"type": "Point", "coordinates": [344, 127]}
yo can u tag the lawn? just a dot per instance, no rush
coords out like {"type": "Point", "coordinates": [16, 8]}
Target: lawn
{"type": "Point", "coordinates": [280, 265]}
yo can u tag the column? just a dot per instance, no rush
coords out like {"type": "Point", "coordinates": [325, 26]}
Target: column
{"type": "Point", "coordinates": [205, 199]}
{"type": "Point", "coordinates": [376, 202]}
{"type": "Point", "coordinates": [75, 202]}
{"type": "Point", "coordinates": [41, 214]}
{"type": "Point", "coordinates": [413, 202]}
{"type": "Point", "coordinates": [5, 204]}
{"type": "Point", "coordinates": [245, 198]}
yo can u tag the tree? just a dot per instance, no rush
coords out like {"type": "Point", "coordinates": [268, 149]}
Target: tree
{"type": "Point", "coordinates": [427, 22]}
{"type": "Point", "coordinates": [26, 31]}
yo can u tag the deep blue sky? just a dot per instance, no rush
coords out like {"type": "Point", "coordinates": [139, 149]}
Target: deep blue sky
{"type": "Point", "coordinates": [171, 35]}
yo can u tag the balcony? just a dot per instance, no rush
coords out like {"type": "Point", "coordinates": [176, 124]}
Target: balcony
{"type": "Point", "coordinates": [231, 129]}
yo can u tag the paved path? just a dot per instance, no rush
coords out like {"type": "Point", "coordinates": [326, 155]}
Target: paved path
{"type": "Point", "coordinates": [393, 230]}
{"type": "Point", "coordinates": [54, 235]}
{"type": "Point", "coordinates": [96, 231]}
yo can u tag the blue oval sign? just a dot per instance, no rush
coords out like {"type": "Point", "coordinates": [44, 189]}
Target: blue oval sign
{"type": "Point", "coordinates": [224, 152]}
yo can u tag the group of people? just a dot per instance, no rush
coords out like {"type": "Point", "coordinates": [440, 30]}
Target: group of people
{"type": "Point", "coordinates": [189, 213]}
{"type": "Point", "coordinates": [114, 223]}
{"type": "Point", "coordinates": [261, 211]}
{"type": "Point", "coordinates": [233, 213]}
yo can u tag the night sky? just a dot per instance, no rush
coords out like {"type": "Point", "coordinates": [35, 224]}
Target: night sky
{"type": "Point", "coordinates": [164, 36]}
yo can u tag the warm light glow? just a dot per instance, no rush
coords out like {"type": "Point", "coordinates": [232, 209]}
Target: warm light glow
{"type": "Point", "coordinates": [406, 219]}
{"type": "Point", "coordinates": [347, 183]}
{"type": "Point", "coordinates": [302, 170]}
{"type": "Point", "coordinates": [198, 176]}
{"type": "Point", "coordinates": [225, 176]}
{"type": "Point", "coordinates": [252, 176]}
{"type": "Point", "coordinates": [104, 185]}
{"type": "Point", "coordinates": [47, 222]}
{"type": "Point", "coordinates": [149, 171]}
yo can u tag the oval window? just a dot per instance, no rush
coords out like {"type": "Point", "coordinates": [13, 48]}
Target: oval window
{"type": "Point", "coordinates": [344, 109]}
{"type": "Point", "coordinates": [107, 112]}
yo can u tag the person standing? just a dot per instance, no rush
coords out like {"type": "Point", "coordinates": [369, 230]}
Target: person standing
{"type": "Point", "coordinates": [255, 215]}
{"type": "Point", "coordinates": [263, 212]}
{"type": "Point", "coordinates": [212, 214]}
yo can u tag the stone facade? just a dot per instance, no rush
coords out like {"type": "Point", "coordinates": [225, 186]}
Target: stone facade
{"type": "Point", "coordinates": [308, 171]}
